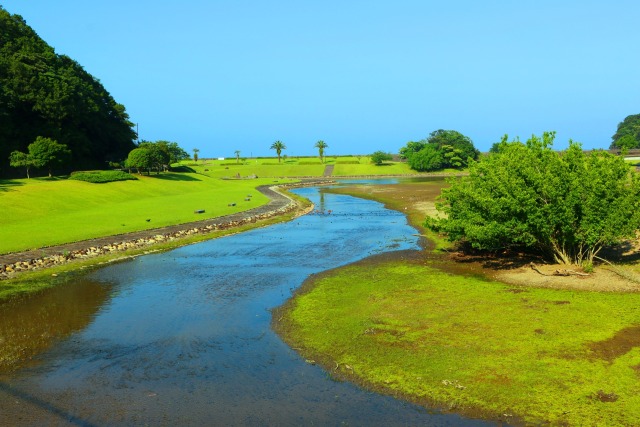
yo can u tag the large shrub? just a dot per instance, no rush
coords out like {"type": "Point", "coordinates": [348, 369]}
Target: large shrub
{"type": "Point", "coordinates": [101, 177]}
{"type": "Point", "coordinates": [568, 205]}
{"type": "Point", "coordinates": [429, 158]}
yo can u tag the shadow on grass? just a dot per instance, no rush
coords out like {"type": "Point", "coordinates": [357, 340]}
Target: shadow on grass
{"type": "Point", "coordinates": [183, 169]}
{"type": "Point", "coordinates": [168, 176]}
{"type": "Point", "coordinates": [8, 185]}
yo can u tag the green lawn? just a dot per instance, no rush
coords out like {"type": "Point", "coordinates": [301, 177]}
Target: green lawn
{"type": "Point", "coordinates": [473, 345]}
{"type": "Point", "coordinates": [298, 167]}
{"type": "Point", "coordinates": [41, 212]}
{"type": "Point", "coordinates": [257, 167]}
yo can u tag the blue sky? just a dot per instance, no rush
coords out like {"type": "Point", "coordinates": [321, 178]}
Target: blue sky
{"type": "Point", "coordinates": [361, 75]}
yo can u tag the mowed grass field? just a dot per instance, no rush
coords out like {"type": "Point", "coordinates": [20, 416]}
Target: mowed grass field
{"type": "Point", "coordinates": [41, 212]}
{"type": "Point", "coordinates": [298, 167]}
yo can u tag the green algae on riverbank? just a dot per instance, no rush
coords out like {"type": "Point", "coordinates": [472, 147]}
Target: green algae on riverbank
{"type": "Point", "coordinates": [471, 345]}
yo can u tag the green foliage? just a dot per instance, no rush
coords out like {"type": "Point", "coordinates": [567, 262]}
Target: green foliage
{"type": "Point", "coordinates": [568, 205]}
{"type": "Point", "coordinates": [278, 146]}
{"type": "Point", "coordinates": [45, 152]}
{"type": "Point", "coordinates": [628, 133]}
{"type": "Point", "coordinates": [454, 149]}
{"type": "Point", "coordinates": [173, 152]}
{"type": "Point", "coordinates": [101, 177]}
{"type": "Point", "coordinates": [627, 142]}
{"type": "Point", "coordinates": [429, 158]}
{"type": "Point", "coordinates": [43, 93]}
{"type": "Point", "coordinates": [380, 157]}
{"type": "Point", "coordinates": [195, 154]}
{"type": "Point", "coordinates": [412, 147]}
{"type": "Point", "coordinates": [496, 147]}
{"type": "Point", "coordinates": [321, 145]}
{"type": "Point", "coordinates": [147, 156]}
{"type": "Point", "coordinates": [18, 159]}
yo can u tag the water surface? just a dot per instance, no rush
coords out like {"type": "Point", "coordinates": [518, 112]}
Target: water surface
{"type": "Point", "coordinates": [184, 337]}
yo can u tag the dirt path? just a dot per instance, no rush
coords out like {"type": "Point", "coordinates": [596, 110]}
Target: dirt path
{"type": "Point", "coordinates": [278, 203]}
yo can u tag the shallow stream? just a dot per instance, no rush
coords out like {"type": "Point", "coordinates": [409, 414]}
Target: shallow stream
{"type": "Point", "coordinates": [184, 337]}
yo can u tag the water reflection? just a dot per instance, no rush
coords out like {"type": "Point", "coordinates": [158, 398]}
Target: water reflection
{"type": "Point", "coordinates": [29, 326]}
{"type": "Point", "coordinates": [185, 337]}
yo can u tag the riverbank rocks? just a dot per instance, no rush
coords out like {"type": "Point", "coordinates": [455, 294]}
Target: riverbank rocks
{"type": "Point", "coordinates": [279, 204]}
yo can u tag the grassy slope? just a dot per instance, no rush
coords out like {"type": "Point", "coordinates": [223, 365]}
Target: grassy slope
{"type": "Point", "coordinates": [39, 212]}
{"type": "Point", "coordinates": [472, 345]}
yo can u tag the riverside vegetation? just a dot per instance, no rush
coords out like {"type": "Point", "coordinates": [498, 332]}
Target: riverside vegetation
{"type": "Point", "coordinates": [446, 334]}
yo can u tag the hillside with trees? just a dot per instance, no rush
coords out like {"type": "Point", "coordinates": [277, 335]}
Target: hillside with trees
{"type": "Point", "coordinates": [44, 94]}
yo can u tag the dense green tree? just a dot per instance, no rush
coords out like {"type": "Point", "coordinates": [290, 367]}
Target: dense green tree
{"type": "Point", "coordinates": [141, 159]}
{"type": "Point", "coordinates": [459, 147]}
{"type": "Point", "coordinates": [627, 142]}
{"type": "Point", "coordinates": [455, 150]}
{"type": "Point", "coordinates": [321, 145]}
{"type": "Point", "coordinates": [496, 147]}
{"type": "Point", "coordinates": [43, 93]}
{"type": "Point", "coordinates": [380, 157]}
{"type": "Point", "coordinates": [159, 154]}
{"type": "Point", "coordinates": [45, 152]}
{"type": "Point", "coordinates": [173, 150]}
{"type": "Point", "coordinates": [18, 159]}
{"type": "Point", "coordinates": [412, 147]}
{"type": "Point", "coordinates": [628, 133]}
{"type": "Point", "coordinates": [429, 158]}
{"type": "Point", "coordinates": [278, 146]}
{"type": "Point", "coordinates": [567, 205]}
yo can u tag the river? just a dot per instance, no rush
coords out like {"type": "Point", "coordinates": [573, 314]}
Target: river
{"type": "Point", "coordinates": [184, 337]}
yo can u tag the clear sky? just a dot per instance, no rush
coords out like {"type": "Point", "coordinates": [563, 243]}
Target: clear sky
{"type": "Point", "coordinates": [362, 75]}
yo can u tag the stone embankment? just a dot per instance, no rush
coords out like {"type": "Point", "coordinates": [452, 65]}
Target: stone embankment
{"type": "Point", "coordinates": [279, 204]}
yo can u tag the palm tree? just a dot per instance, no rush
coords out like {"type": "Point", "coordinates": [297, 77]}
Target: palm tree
{"type": "Point", "coordinates": [278, 146]}
{"type": "Point", "coordinates": [195, 154]}
{"type": "Point", "coordinates": [237, 156]}
{"type": "Point", "coordinates": [321, 145]}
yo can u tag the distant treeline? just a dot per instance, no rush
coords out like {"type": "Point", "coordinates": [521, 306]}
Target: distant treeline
{"type": "Point", "coordinates": [50, 95]}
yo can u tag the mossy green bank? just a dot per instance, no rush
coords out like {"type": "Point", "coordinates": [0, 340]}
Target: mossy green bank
{"type": "Point", "coordinates": [474, 346]}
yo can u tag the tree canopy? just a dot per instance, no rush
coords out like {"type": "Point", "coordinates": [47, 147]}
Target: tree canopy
{"type": "Point", "coordinates": [156, 156]}
{"type": "Point", "coordinates": [321, 145]}
{"type": "Point", "coordinates": [50, 95]}
{"type": "Point", "coordinates": [42, 153]}
{"type": "Point", "coordinates": [442, 149]}
{"type": "Point", "coordinates": [628, 134]}
{"type": "Point", "coordinates": [278, 146]}
{"type": "Point", "coordinates": [567, 205]}
{"type": "Point", "coordinates": [379, 157]}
